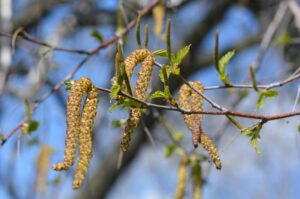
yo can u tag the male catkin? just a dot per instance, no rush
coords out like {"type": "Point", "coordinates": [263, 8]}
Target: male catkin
{"type": "Point", "coordinates": [147, 60]}
{"type": "Point", "coordinates": [79, 128]}
{"type": "Point", "coordinates": [181, 179]}
{"type": "Point", "coordinates": [85, 136]}
{"type": "Point", "coordinates": [81, 86]}
{"type": "Point", "coordinates": [190, 100]}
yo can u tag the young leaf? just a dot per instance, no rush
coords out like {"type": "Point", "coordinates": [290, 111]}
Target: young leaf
{"type": "Point", "coordinates": [115, 90]}
{"type": "Point", "coordinates": [283, 39]}
{"type": "Point", "coordinates": [170, 148]}
{"type": "Point", "coordinates": [33, 125]}
{"type": "Point", "coordinates": [178, 135]}
{"type": "Point", "coordinates": [261, 100]}
{"type": "Point", "coordinates": [181, 54]}
{"type": "Point", "coordinates": [224, 61]}
{"type": "Point", "coordinates": [118, 123]}
{"type": "Point", "coordinates": [253, 79]}
{"type": "Point", "coordinates": [161, 74]}
{"type": "Point", "coordinates": [158, 94]}
{"type": "Point", "coordinates": [115, 105]}
{"type": "Point", "coordinates": [270, 93]}
{"type": "Point", "coordinates": [253, 133]}
{"type": "Point", "coordinates": [69, 84]}
{"type": "Point", "coordinates": [162, 53]}
{"type": "Point", "coordinates": [97, 35]}
{"type": "Point", "coordinates": [128, 103]}
{"type": "Point", "coordinates": [263, 94]}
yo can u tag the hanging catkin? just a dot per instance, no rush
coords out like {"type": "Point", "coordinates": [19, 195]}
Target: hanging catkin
{"type": "Point", "coordinates": [190, 100]}
{"type": "Point", "coordinates": [147, 60]}
{"type": "Point", "coordinates": [81, 86]}
{"type": "Point", "coordinates": [79, 128]}
{"type": "Point", "coordinates": [181, 179]}
{"type": "Point", "coordinates": [85, 136]}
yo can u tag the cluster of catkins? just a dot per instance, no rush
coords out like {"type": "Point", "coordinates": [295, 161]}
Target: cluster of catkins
{"type": "Point", "coordinates": [79, 128]}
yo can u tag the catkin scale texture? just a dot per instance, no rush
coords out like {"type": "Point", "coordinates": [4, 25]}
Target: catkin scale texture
{"type": "Point", "coordinates": [85, 136]}
{"type": "Point", "coordinates": [190, 100]}
{"type": "Point", "coordinates": [81, 86]}
{"type": "Point", "coordinates": [147, 60]}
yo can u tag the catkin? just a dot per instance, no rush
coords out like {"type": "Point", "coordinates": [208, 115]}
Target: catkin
{"type": "Point", "coordinates": [81, 86]}
{"type": "Point", "coordinates": [192, 121]}
{"type": "Point", "coordinates": [211, 148]}
{"type": "Point", "coordinates": [147, 60]}
{"type": "Point", "coordinates": [79, 128]}
{"type": "Point", "coordinates": [190, 100]}
{"type": "Point", "coordinates": [181, 179]}
{"type": "Point", "coordinates": [197, 180]}
{"type": "Point", "coordinates": [85, 136]}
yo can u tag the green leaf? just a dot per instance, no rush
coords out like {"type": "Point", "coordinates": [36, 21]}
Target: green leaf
{"type": "Point", "coordinates": [33, 125]}
{"type": "Point", "coordinates": [97, 35]}
{"type": "Point", "coordinates": [253, 133]}
{"type": "Point", "coordinates": [283, 39]}
{"type": "Point", "coordinates": [263, 94]}
{"type": "Point", "coordinates": [175, 69]}
{"type": "Point", "coordinates": [69, 84]}
{"type": "Point", "coordinates": [181, 54]}
{"type": "Point", "coordinates": [115, 105]}
{"type": "Point", "coordinates": [167, 92]}
{"type": "Point", "coordinates": [170, 148]}
{"type": "Point", "coordinates": [270, 93]}
{"type": "Point", "coordinates": [178, 135]}
{"type": "Point", "coordinates": [162, 53]}
{"type": "Point", "coordinates": [115, 90]}
{"type": "Point", "coordinates": [118, 123]}
{"type": "Point", "coordinates": [128, 103]}
{"type": "Point", "coordinates": [161, 75]}
{"type": "Point", "coordinates": [224, 61]}
{"type": "Point", "coordinates": [158, 94]}
{"type": "Point", "coordinates": [261, 100]}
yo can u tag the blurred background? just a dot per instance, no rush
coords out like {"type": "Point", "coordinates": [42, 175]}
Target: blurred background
{"type": "Point", "coordinates": [29, 70]}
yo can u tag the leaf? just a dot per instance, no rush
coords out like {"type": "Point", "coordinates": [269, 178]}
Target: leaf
{"type": "Point", "coordinates": [33, 125]}
{"type": "Point", "coordinates": [69, 84]}
{"type": "Point", "coordinates": [181, 54]}
{"type": "Point", "coordinates": [1, 136]}
{"type": "Point", "coordinates": [261, 100]}
{"type": "Point", "coordinates": [115, 90]}
{"type": "Point", "coordinates": [178, 135]}
{"type": "Point", "coordinates": [97, 35]}
{"type": "Point", "coordinates": [162, 53]}
{"type": "Point", "coordinates": [254, 135]}
{"type": "Point", "coordinates": [170, 148]}
{"type": "Point", "coordinates": [115, 105]}
{"type": "Point", "coordinates": [283, 39]}
{"type": "Point", "coordinates": [158, 94]}
{"type": "Point", "coordinates": [118, 123]}
{"type": "Point", "coordinates": [128, 103]}
{"type": "Point", "coordinates": [158, 16]}
{"type": "Point", "coordinates": [224, 61]}
{"type": "Point", "coordinates": [168, 72]}
{"type": "Point", "coordinates": [222, 66]}
{"type": "Point", "coordinates": [263, 94]}
{"type": "Point", "coordinates": [270, 93]}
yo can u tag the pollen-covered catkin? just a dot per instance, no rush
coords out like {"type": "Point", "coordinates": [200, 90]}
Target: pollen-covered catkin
{"type": "Point", "coordinates": [211, 148]}
{"type": "Point", "coordinates": [147, 60]}
{"type": "Point", "coordinates": [81, 86]}
{"type": "Point", "coordinates": [85, 136]}
{"type": "Point", "coordinates": [189, 99]}
{"type": "Point", "coordinates": [181, 179]}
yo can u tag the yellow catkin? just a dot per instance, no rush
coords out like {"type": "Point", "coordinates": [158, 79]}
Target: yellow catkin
{"type": "Point", "coordinates": [181, 179]}
{"type": "Point", "coordinates": [211, 148]}
{"type": "Point", "coordinates": [81, 86]}
{"type": "Point", "coordinates": [147, 60]}
{"type": "Point", "coordinates": [42, 165]}
{"type": "Point", "coordinates": [85, 136]}
{"type": "Point", "coordinates": [197, 180]}
{"type": "Point", "coordinates": [189, 99]}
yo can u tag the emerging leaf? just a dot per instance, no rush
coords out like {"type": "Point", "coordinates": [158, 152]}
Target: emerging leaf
{"type": "Point", "coordinates": [162, 53]}
{"type": "Point", "coordinates": [69, 84]}
{"type": "Point", "coordinates": [170, 148]}
{"type": "Point", "coordinates": [119, 123]}
{"type": "Point", "coordinates": [97, 35]}
{"type": "Point", "coordinates": [115, 90]}
{"type": "Point", "coordinates": [115, 105]}
{"type": "Point", "coordinates": [181, 54]}
{"type": "Point", "coordinates": [283, 39]}
{"type": "Point", "coordinates": [158, 94]}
